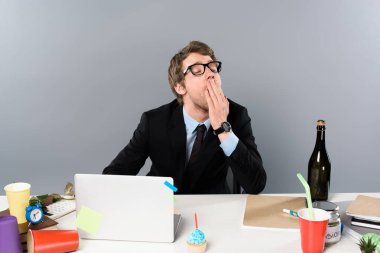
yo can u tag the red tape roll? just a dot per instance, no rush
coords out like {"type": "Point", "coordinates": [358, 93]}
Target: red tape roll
{"type": "Point", "coordinates": [52, 241]}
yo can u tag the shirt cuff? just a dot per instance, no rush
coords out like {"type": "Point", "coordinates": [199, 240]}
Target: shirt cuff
{"type": "Point", "coordinates": [229, 144]}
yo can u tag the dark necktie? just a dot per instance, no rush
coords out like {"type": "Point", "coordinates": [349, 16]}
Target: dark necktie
{"type": "Point", "coordinates": [191, 165]}
{"type": "Point", "coordinates": [197, 143]}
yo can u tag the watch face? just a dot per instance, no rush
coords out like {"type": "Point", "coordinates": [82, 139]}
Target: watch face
{"type": "Point", "coordinates": [226, 126]}
{"type": "Point", "coordinates": [35, 215]}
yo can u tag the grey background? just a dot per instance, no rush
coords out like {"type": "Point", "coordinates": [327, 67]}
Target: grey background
{"type": "Point", "coordinates": [75, 77]}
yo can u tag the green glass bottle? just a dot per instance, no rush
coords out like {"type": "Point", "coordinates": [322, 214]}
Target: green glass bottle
{"type": "Point", "coordinates": [319, 168]}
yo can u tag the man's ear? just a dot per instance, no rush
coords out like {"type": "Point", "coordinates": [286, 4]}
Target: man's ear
{"type": "Point", "coordinates": [180, 89]}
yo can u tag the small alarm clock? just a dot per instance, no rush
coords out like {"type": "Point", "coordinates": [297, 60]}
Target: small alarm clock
{"type": "Point", "coordinates": [34, 214]}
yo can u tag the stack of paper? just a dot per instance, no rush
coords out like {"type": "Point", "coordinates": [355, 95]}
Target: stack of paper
{"type": "Point", "coordinates": [352, 230]}
{"type": "Point", "coordinates": [365, 212]}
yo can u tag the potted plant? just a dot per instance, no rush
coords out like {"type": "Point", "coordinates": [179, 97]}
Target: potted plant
{"type": "Point", "coordinates": [367, 246]}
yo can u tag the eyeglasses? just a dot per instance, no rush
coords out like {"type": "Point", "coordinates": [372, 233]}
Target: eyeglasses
{"type": "Point", "coordinates": [199, 69]}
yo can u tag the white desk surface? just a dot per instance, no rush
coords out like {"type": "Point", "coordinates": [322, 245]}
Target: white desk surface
{"type": "Point", "coordinates": [220, 218]}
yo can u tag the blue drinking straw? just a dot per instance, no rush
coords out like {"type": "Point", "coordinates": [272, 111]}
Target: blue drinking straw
{"type": "Point", "coordinates": [291, 212]}
{"type": "Point", "coordinates": [308, 196]}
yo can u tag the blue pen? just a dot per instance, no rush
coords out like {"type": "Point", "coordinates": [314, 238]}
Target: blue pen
{"type": "Point", "coordinates": [293, 213]}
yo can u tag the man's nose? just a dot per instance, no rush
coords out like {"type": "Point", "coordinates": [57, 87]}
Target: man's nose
{"type": "Point", "coordinates": [209, 74]}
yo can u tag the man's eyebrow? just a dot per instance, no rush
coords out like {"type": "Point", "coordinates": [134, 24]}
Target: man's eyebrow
{"type": "Point", "coordinates": [198, 62]}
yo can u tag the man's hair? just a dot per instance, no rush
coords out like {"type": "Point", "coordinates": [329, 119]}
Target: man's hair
{"type": "Point", "coordinates": [175, 73]}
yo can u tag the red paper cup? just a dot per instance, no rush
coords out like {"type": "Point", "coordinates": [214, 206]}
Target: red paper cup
{"type": "Point", "coordinates": [313, 232]}
{"type": "Point", "coordinates": [52, 241]}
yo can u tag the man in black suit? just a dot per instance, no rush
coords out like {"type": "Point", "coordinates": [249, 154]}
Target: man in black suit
{"type": "Point", "coordinates": [197, 137]}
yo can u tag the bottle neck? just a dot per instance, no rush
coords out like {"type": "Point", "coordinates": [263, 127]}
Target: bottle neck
{"type": "Point", "coordinates": [320, 141]}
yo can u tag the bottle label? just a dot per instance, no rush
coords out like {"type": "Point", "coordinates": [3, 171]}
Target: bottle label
{"type": "Point", "coordinates": [333, 234]}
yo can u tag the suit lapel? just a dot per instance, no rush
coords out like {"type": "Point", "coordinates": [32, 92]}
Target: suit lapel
{"type": "Point", "coordinates": [177, 133]}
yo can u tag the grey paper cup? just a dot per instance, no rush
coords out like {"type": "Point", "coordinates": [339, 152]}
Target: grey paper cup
{"type": "Point", "coordinates": [9, 236]}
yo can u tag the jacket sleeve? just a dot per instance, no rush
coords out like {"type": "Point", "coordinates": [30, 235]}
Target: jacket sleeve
{"type": "Point", "coordinates": [245, 161]}
{"type": "Point", "coordinates": [132, 158]}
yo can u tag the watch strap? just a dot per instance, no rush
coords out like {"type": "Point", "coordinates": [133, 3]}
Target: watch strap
{"type": "Point", "coordinates": [225, 127]}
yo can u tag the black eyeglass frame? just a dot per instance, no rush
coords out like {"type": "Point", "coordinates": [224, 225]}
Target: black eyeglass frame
{"type": "Point", "coordinates": [219, 68]}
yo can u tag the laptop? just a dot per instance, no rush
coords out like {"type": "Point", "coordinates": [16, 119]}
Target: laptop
{"type": "Point", "coordinates": [133, 208]}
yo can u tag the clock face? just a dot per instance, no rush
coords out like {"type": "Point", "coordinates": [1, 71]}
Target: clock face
{"type": "Point", "coordinates": [35, 215]}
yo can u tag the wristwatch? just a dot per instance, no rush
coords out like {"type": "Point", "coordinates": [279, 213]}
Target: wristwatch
{"type": "Point", "coordinates": [225, 127]}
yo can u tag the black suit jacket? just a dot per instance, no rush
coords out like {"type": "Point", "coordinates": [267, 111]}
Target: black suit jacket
{"type": "Point", "coordinates": [161, 135]}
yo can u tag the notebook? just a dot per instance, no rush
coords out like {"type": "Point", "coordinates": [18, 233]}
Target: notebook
{"type": "Point", "coordinates": [265, 212]}
{"type": "Point", "coordinates": [355, 231]}
{"type": "Point", "coordinates": [365, 207]}
{"type": "Point", "coordinates": [132, 208]}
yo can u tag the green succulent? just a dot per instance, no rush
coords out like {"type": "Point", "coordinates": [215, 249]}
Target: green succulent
{"type": "Point", "coordinates": [367, 245]}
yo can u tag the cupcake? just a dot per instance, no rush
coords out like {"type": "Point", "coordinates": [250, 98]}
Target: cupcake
{"type": "Point", "coordinates": [196, 242]}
